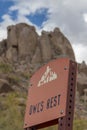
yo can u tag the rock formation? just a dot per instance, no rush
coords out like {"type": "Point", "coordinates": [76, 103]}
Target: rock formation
{"type": "Point", "coordinates": [24, 44]}
{"type": "Point", "coordinates": [82, 78]}
{"type": "Point", "coordinates": [27, 51]}
{"type": "Point", "coordinates": [21, 42]}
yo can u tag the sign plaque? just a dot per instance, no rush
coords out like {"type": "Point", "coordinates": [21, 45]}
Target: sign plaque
{"type": "Point", "coordinates": [51, 96]}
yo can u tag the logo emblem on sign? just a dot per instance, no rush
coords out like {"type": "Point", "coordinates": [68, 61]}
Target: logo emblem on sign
{"type": "Point", "coordinates": [48, 76]}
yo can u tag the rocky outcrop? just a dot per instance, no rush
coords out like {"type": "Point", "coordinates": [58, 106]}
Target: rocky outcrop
{"type": "Point", "coordinates": [82, 78]}
{"type": "Point", "coordinates": [45, 46]}
{"type": "Point", "coordinates": [23, 43]}
{"type": "Point", "coordinates": [60, 44]}
{"type": "Point", "coordinates": [3, 47]}
{"type": "Point", "coordinates": [27, 51]}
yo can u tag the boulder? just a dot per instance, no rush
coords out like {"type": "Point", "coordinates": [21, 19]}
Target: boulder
{"type": "Point", "coordinates": [12, 54]}
{"type": "Point", "coordinates": [45, 47]}
{"type": "Point", "coordinates": [37, 56]}
{"type": "Point", "coordinates": [12, 36]}
{"type": "Point", "coordinates": [27, 42]}
{"type": "Point", "coordinates": [21, 42]}
{"type": "Point", "coordinates": [60, 44]}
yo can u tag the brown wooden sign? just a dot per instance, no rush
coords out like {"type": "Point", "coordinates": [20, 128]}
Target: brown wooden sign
{"type": "Point", "coordinates": [49, 92]}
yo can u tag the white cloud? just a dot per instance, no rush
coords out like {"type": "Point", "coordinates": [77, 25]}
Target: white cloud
{"type": "Point", "coordinates": [3, 26]}
{"type": "Point", "coordinates": [3, 33]}
{"type": "Point", "coordinates": [6, 20]}
{"type": "Point", "coordinates": [80, 52]}
{"type": "Point", "coordinates": [85, 17]}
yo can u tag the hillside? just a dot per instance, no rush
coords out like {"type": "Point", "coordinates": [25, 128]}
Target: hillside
{"type": "Point", "coordinates": [21, 54]}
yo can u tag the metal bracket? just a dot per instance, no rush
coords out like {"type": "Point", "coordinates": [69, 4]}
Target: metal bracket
{"type": "Point", "coordinates": [66, 123]}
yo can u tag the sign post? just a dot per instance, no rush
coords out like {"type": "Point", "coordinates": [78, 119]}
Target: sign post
{"type": "Point", "coordinates": [51, 96]}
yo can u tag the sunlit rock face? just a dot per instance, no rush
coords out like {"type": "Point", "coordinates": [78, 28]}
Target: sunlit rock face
{"type": "Point", "coordinates": [23, 42]}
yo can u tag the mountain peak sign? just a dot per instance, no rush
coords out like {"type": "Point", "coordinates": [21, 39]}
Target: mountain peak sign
{"type": "Point", "coordinates": [51, 96]}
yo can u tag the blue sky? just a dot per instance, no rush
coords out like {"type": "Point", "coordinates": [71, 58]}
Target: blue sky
{"type": "Point", "coordinates": [70, 17]}
{"type": "Point", "coordinates": [36, 18]}
{"type": "Point", "coordinates": [4, 7]}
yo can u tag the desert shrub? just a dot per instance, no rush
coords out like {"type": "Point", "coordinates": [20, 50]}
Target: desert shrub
{"type": "Point", "coordinates": [5, 68]}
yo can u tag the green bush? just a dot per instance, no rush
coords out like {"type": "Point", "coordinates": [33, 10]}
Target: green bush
{"type": "Point", "coordinates": [13, 79]}
{"type": "Point", "coordinates": [5, 68]}
{"type": "Point", "coordinates": [12, 117]}
{"type": "Point", "coordinates": [80, 124]}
